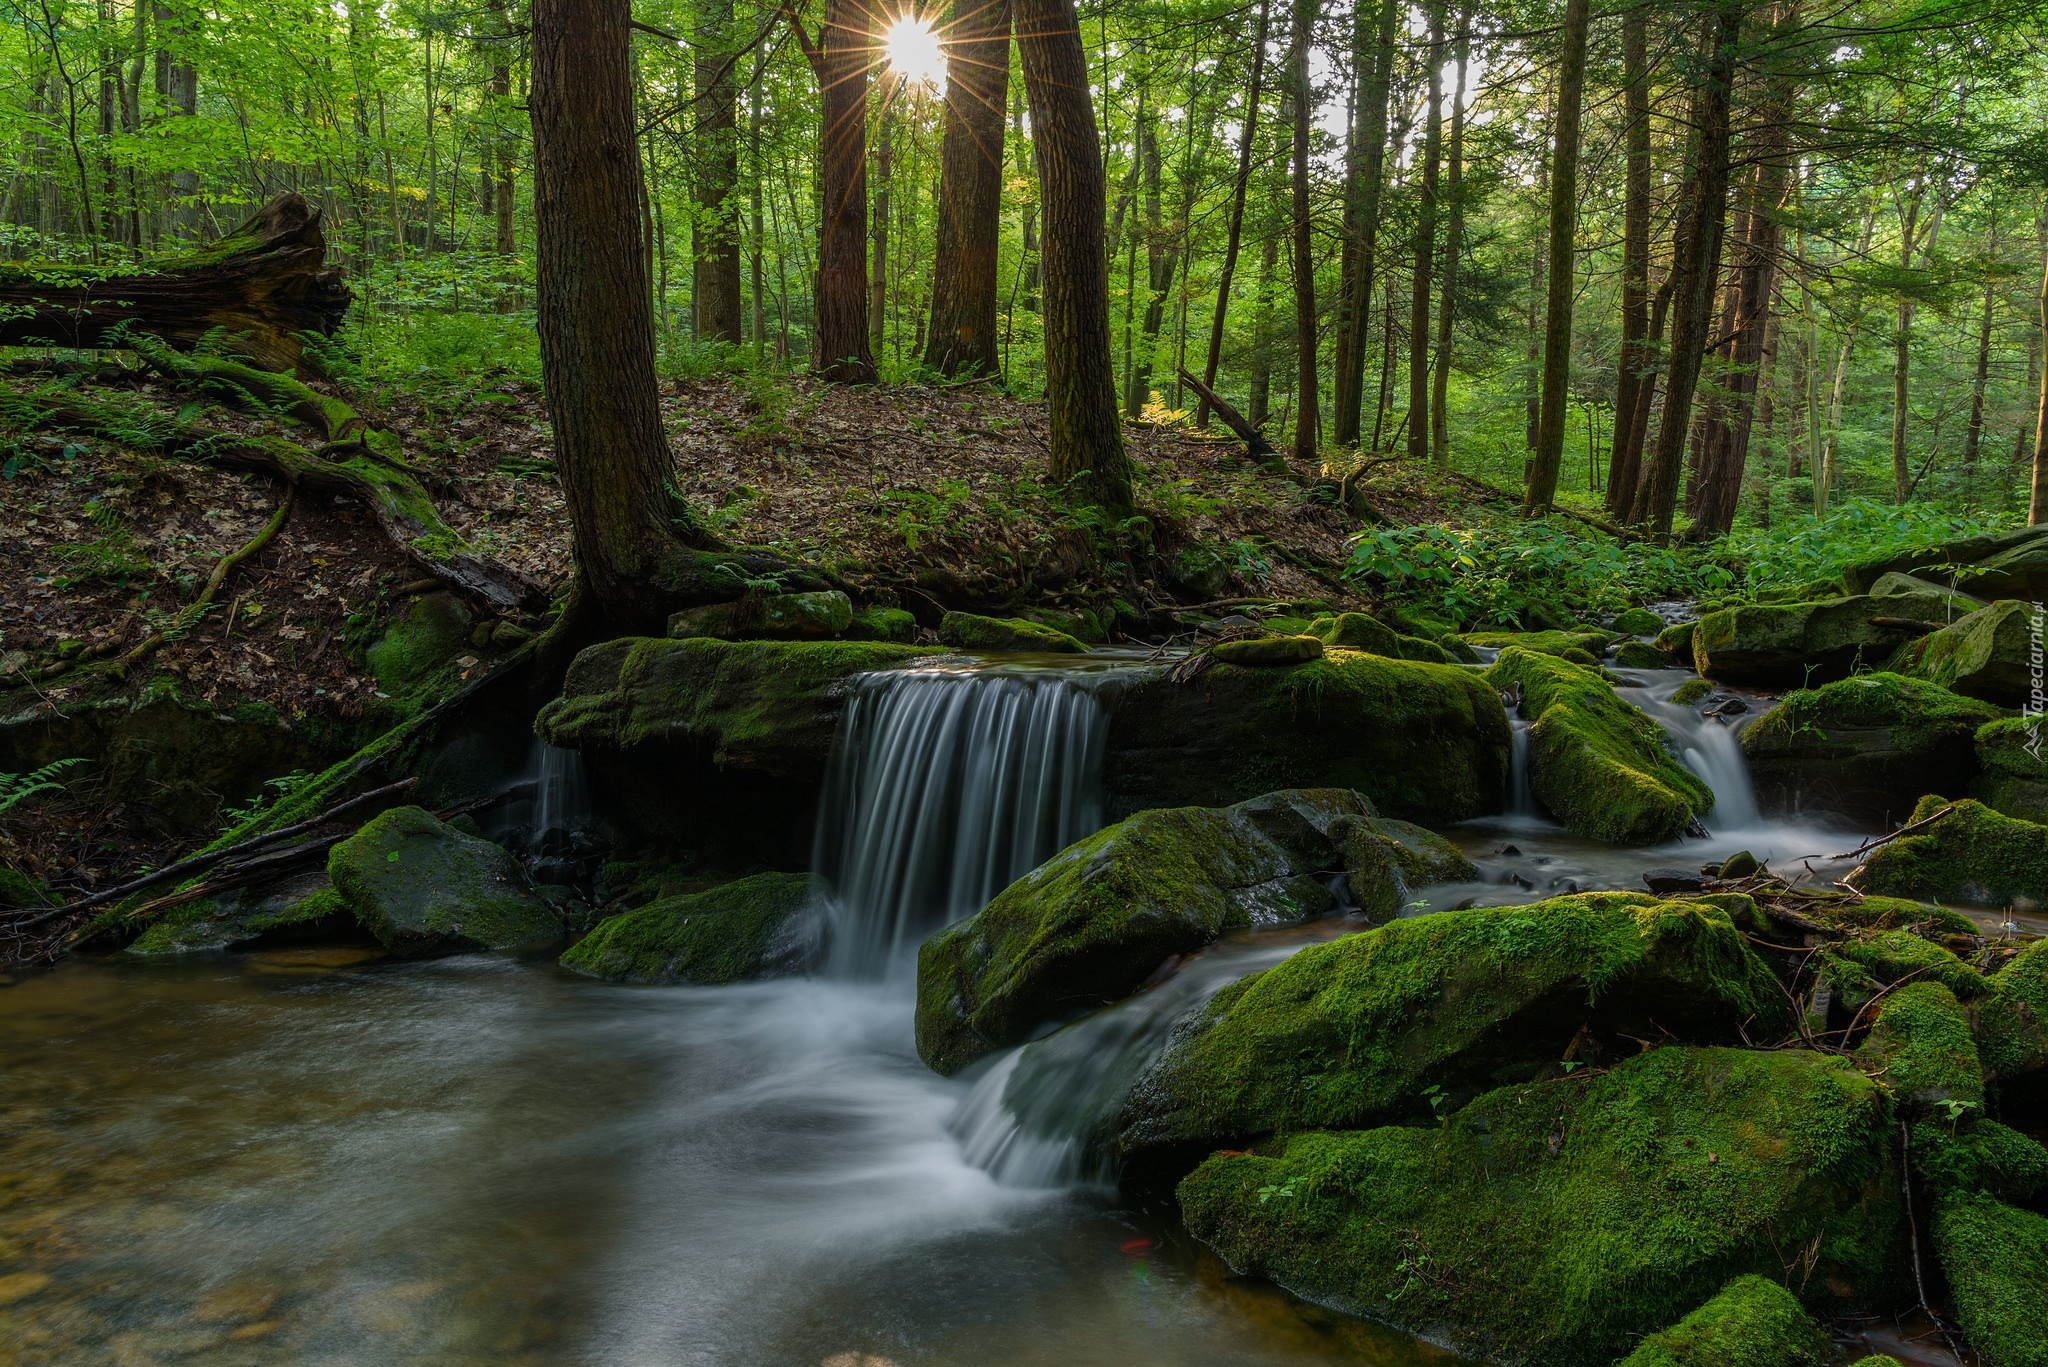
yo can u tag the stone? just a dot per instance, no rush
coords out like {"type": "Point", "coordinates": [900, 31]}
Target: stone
{"type": "Point", "coordinates": [1541, 642]}
{"type": "Point", "coordinates": [1424, 742]}
{"type": "Point", "coordinates": [17, 889]}
{"type": "Point", "coordinates": [1674, 643]}
{"type": "Point", "coordinates": [1391, 1024]}
{"type": "Point", "coordinates": [1005, 634]}
{"type": "Point", "coordinates": [1972, 855]}
{"type": "Point", "coordinates": [2012, 756]}
{"type": "Point", "coordinates": [1357, 631]}
{"type": "Point", "coordinates": [1664, 882]}
{"type": "Point", "coordinates": [1920, 1043]}
{"type": "Point", "coordinates": [2012, 1016]}
{"type": "Point", "coordinates": [427, 634]}
{"type": "Point", "coordinates": [303, 908]}
{"type": "Point", "coordinates": [882, 624]}
{"type": "Point", "coordinates": [1638, 655]}
{"type": "Point", "coordinates": [1741, 864]}
{"type": "Point", "coordinates": [1268, 650]}
{"type": "Point", "coordinates": [1597, 763]}
{"type": "Point", "coordinates": [1947, 559]}
{"type": "Point", "coordinates": [1866, 747]}
{"type": "Point", "coordinates": [1977, 1156]}
{"type": "Point", "coordinates": [1094, 921]}
{"type": "Point", "coordinates": [1753, 1322]}
{"type": "Point", "coordinates": [1558, 1222]}
{"type": "Point", "coordinates": [422, 887]}
{"type": "Point", "coordinates": [765, 926]}
{"type": "Point", "coordinates": [1638, 622]}
{"type": "Point", "coordinates": [1990, 654]}
{"type": "Point", "coordinates": [1798, 645]}
{"type": "Point", "coordinates": [768, 617]}
{"type": "Point", "coordinates": [2017, 568]}
{"type": "Point", "coordinates": [1993, 1255]}
{"type": "Point", "coordinates": [1202, 570]}
{"type": "Point", "coordinates": [1691, 691]}
{"type": "Point", "coordinates": [1894, 585]}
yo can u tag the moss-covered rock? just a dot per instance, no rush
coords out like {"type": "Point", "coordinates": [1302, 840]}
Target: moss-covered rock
{"type": "Point", "coordinates": [1921, 1045]}
{"type": "Point", "coordinates": [1753, 1322]}
{"type": "Point", "coordinates": [1982, 1156]}
{"type": "Point", "coordinates": [765, 926]}
{"type": "Point", "coordinates": [1357, 631]}
{"type": "Point", "coordinates": [1082, 626]}
{"type": "Point", "coordinates": [422, 887]}
{"type": "Point", "coordinates": [303, 908]}
{"type": "Point", "coordinates": [17, 889]}
{"type": "Point", "coordinates": [2012, 1017]}
{"type": "Point", "coordinates": [1895, 585]}
{"type": "Point", "coordinates": [1638, 622]}
{"type": "Point", "coordinates": [2016, 567]}
{"type": "Point", "coordinates": [1988, 654]}
{"type": "Point", "coordinates": [1946, 559]}
{"type": "Point", "coordinates": [768, 617]}
{"type": "Point", "coordinates": [1867, 747]}
{"type": "Point", "coordinates": [1093, 922]}
{"type": "Point", "coordinates": [1599, 764]}
{"type": "Point", "coordinates": [970, 632]}
{"type": "Point", "coordinates": [1971, 855]}
{"type": "Point", "coordinates": [1795, 645]}
{"type": "Point", "coordinates": [2012, 756]}
{"type": "Point", "coordinates": [1542, 642]}
{"type": "Point", "coordinates": [1674, 643]}
{"type": "Point", "coordinates": [882, 624]}
{"type": "Point", "coordinates": [1638, 655]}
{"type": "Point", "coordinates": [1995, 1256]}
{"type": "Point", "coordinates": [1268, 650]}
{"type": "Point", "coordinates": [1429, 1010]}
{"type": "Point", "coordinates": [428, 633]}
{"type": "Point", "coordinates": [1692, 691]}
{"type": "Point", "coordinates": [1424, 742]}
{"type": "Point", "coordinates": [1861, 968]}
{"type": "Point", "coordinates": [1555, 1222]}
{"type": "Point", "coordinates": [772, 706]}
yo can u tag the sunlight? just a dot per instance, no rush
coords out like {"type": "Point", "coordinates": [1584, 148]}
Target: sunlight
{"type": "Point", "coordinates": [914, 52]}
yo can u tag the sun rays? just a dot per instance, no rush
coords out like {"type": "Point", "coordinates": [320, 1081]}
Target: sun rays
{"type": "Point", "coordinates": [913, 52]}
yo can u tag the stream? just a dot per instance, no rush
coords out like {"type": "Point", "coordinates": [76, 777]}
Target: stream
{"type": "Point", "coordinates": [324, 1156]}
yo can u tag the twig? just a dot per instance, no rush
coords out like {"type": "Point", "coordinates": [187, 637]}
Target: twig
{"type": "Point", "coordinates": [1869, 845]}
{"type": "Point", "coordinates": [189, 618]}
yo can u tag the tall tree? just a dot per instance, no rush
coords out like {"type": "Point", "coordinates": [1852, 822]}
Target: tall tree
{"type": "Point", "coordinates": [2037, 501]}
{"type": "Point", "coordinates": [1364, 188]}
{"type": "Point", "coordinates": [1632, 384]}
{"type": "Point", "coordinates": [1557, 318]}
{"type": "Point", "coordinates": [1234, 234]}
{"type": "Point", "coordinates": [715, 266]}
{"type": "Point", "coordinates": [840, 57]}
{"type": "Point", "coordinates": [1307, 406]}
{"type": "Point", "coordinates": [1454, 244]}
{"type": "Point", "coordinates": [963, 332]}
{"type": "Point", "coordinates": [1425, 244]}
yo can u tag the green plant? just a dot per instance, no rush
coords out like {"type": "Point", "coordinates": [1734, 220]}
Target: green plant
{"type": "Point", "coordinates": [262, 802]}
{"type": "Point", "coordinates": [1854, 531]}
{"type": "Point", "coordinates": [18, 788]}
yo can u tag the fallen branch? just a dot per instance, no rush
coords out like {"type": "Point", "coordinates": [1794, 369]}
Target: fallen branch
{"type": "Point", "coordinates": [1869, 845]}
{"type": "Point", "coordinates": [1255, 444]}
{"type": "Point", "coordinates": [189, 617]}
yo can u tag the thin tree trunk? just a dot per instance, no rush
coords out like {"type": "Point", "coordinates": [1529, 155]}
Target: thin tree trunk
{"type": "Point", "coordinates": [715, 170]}
{"type": "Point", "coordinates": [1974, 436]}
{"type": "Point", "coordinates": [2037, 502]}
{"type": "Point", "coordinates": [839, 57]}
{"type": "Point", "coordinates": [1259, 408]}
{"type": "Point", "coordinates": [885, 176]}
{"type": "Point", "coordinates": [1158, 258]}
{"type": "Point", "coordinates": [1235, 232]}
{"type": "Point", "coordinates": [1454, 243]}
{"type": "Point", "coordinates": [962, 338]}
{"type": "Point", "coordinates": [1554, 406]}
{"type": "Point", "coordinates": [1365, 196]}
{"type": "Point", "coordinates": [1307, 407]}
{"type": "Point", "coordinates": [757, 173]}
{"type": "Point", "coordinates": [1632, 385]}
{"type": "Point", "coordinates": [1902, 474]}
{"type": "Point", "coordinates": [1425, 245]}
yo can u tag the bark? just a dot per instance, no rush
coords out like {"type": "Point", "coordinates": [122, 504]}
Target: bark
{"type": "Point", "coordinates": [1255, 444]}
{"type": "Point", "coordinates": [1234, 235]}
{"type": "Point", "coordinates": [262, 285]}
{"type": "Point", "coordinates": [1632, 384]}
{"type": "Point", "coordinates": [2037, 502]}
{"type": "Point", "coordinates": [1555, 403]}
{"type": "Point", "coordinates": [1159, 267]}
{"type": "Point", "coordinates": [1973, 437]}
{"type": "Point", "coordinates": [1454, 244]}
{"type": "Point", "coordinates": [839, 58]}
{"type": "Point", "coordinates": [1367, 191]}
{"type": "Point", "coordinates": [1084, 433]}
{"type": "Point", "coordinates": [1425, 247]}
{"type": "Point", "coordinates": [1902, 474]}
{"type": "Point", "coordinates": [1307, 404]}
{"type": "Point", "coordinates": [962, 340]}
{"type": "Point", "coordinates": [1261, 403]}
{"type": "Point", "coordinates": [885, 177]}
{"type": "Point", "coordinates": [715, 171]}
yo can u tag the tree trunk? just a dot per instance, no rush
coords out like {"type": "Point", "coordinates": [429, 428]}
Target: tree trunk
{"type": "Point", "coordinates": [1084, 433]}
{"type": "Point", "coordinates": [715, 168]}
{"type": "Point", "coordinates": [1454, 243]}
{"type": "Point", "coordinates": [962, 340]}
{"type": "Point", "coordinates": [1902, 474]}
{"type": "Point", "coordinates": [262, 285]}
{"type": "Point", "coordinates": [1366, 195]}
{"type": "Point", "coordinates": [1632, 385]}
{"type": "Point", "coordinates": [885, 176]}
{"type": "Point", "coordinates": [1555, 404]}
{"type": "Point", "coordinates": [840, 58]}
{"type": "Point", "coordinates": [2037, 502]}
{"type": "Point", "coordinates": [1307, 404]}
{"type": "Point", "coordinates": [1425, 246]}
{"type": "Point", "coordinates": [1974, 436]}
{"type": "Point", "coordinates": [1260, 406]}
{"type": "Point", "coordinates": [1158, 258]}
{"type": "Point", "coordinates": [1235, 234]}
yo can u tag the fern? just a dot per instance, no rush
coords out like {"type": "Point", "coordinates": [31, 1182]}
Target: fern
{"type": "Point", "coordinates": [18, 788]}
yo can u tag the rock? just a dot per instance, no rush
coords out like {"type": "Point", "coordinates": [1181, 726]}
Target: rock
{"type": "Point", "coordinates": [1946, 557]}
{"type": "Point", "coordinates": [1456, 648]}
{"type": "Point", "coordinates": [422, 887]}
{"type": "Point", "coordinates": [1921, 1045]}
{"type": "Point", "coordinates": [17, 889]}
{"type": "Point", "coordinates": [2012, 1016]}
{"type": "Point", "coordinates": [1384, 1025]}
{"type": "Point", "coordinates": [1977, 1156]}
{"type": "Point", "coordinates": [1988, 654]}
{"type": "Point", "coordinates": [1753, 1322]}
{"type": "Point", "coordinates": [1586, 659]}
{"type": "Point", "coordinates": [1423, 742]}
{"type": "Point", "coordinates": [1894, 585]}
{"type": "Point", "coordinates": [1866, 747]}
{"type": "Point", "coordinates": [1797, 645]}
{"type": "Point", "coordinates": [766, 926]}
{"type": "Point", "coordinates": [1690, 692]}
{"type": "Point", "coordinates": [1994, 1254]}
{"type": "Point", "coordinates": [767, 617]}
{"type": "Point", "coordinates": [768, 706]}
{"type": "Point", "coordinates": [303, 908]}
{"type": "Point", "coordinates": [2013, 759]}
{"type": "Point", "coordinates": [970, 632]}
{"type": "Point", "coordinates": [1542, 642]}
{"type": "Point", "coordinates": [1665, 882]}
{"type": "Point", "coordinates": [1741, 864]}
{"type": "Point", "coordinates": [882, 624]}
{"type": "Point", "coordinates": [1093, 922]}
{"type": "Point", "coordinates": [1859, 969]}
{"type": "Point", "coordinates": [2016, 568]}
{"type": "Point", "coordinates": [1356, 631]}
{"type": "Point", "coordinates": [1268, 650]}
{"type": "Point", "coordinates": [1675, 643]}
{"type": "Point", "coordinates": [1597, 763]}
{"type": "Point", "coordinates": [1637, 622]}
{"type": "Point", "coordinates": [1638, 655]}
{"type": "Point", "coordinates": [1082, 626]}
{"type": "Point", "coordinates": [1557, 1222]}
{"type": "Point", "coordinates": [427, 634]}
{"type": "Point", "coordinates": [1971, 855]}
{"type": "Point", "coordinates": [1201, 569]}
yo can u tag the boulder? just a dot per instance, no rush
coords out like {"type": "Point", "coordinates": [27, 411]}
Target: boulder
{"type": "Point", "coordinates": [1971, 855]}
{"type": "Point", "coordinates": [766, 926]}
{"type": "Point", "coordinates": [422, 887]}
{"type": "Point", "coordinates": [2013, 760]}
{"type": "Point", "coordinates": [969, 632]}
{"type": "Point", "coordinates": [1391, 1023]}
{"type": "Point", "coordinates": [1921, 1045]}
{"type": "Point", "coordinates": [1895, 585]}
{"type": "Point", "coordinates": [1094, 921]}
{"type": "Point", "coordinates": [1753, 1322]}
{"type": "Point", "coordinates": [1675, 644]}
{"type": "Point", "coordinates": [1947, 558]}
{"type": "Point", "coordinates": [1637, 622]}
{"type": "Point", "coordinates": [1692, 691]}
{"type": "Point", "coordinates": [1597, 763]}
{"type": "Point", "coordinates": [1558, 1222]}
{"type": "Point", "coordinates": [2012, 1016]}
{"type": "Point", "coordinates": [1638, 655]}
{"type": "Point", "coordinates": [1082, 625]}
{"type": "Point", "coordinates": [1867, 747]}
{"type": "Point", "coordinates": [1542, 642]}
{"type": "Point", "coordinates": [1989, 654]}
{"type": "Point", "coordinates": [1796, 645]}
{"type": "Point", "coordinates": [2017, 567]}
{"type": "Point", "coordinates": [1423, 742]}
{"type": "Point", "coordinates": [1356, 631]}
{"type": "Point", "coordinates": [429, 632]}
{"type": "Point", "coordinates": [1977, 1156]}
{"type": "Point", "coordinates": [1993, 1255]}
{"type": "Point", "coordinates": [1268, 650]}
{"type": "Point", "coordinates": [882, 624]}
{"type": "Point", "coordinates": [302, 908]}
{"type": "Point", "coordinates": [768, 617]}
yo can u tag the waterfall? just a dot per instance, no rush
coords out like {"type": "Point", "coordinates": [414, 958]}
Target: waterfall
{"type": "Point", "coordinates": [561, 794]}
{"type": "Point", "coordinates": [1521, 795]}
{"type": "Point", "coordinates": [945, 787]}
{"type": "Point", "coordinates": [1712, 749]}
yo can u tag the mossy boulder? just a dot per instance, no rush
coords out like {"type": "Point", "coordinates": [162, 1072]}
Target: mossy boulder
{"type": "Point", "coordinates": [1753, 1322]}
{"type": "Point", "coordinates": [1867, 747]}
{"type": "Point", "coordinates": [1862, 967]}
{"type": "Point", "coordinates": [1980, 1156]}
{"type": "Point", "coordinates": [2016, 567]}
{"type": "Point", "coordinates": [1921, 1045]}
{"type": "Point", "coordinates": [429, 632]}
{"type": "Point", "coordinates": [768, 617]}
{"type": "Point", "coordinates": [1006, 634]}
{"type": "Point", "coordinates": [1557, 1222]}
{"type": "Point", "coordinates": [1895, 585]}
{"type": "Point", "coordinates": [1390, 1023]}
{"type": "Point", "coordinates": [766, 926]}
{"type": "Point", "coordinates": [770, 706]}
{"type": "Point", "coordinates": [1357, 631]}
{"type": "Point", "coordinates": [1972, 855]}
{"type": "Point", "coordinates": [1638, 655]}
{"type": "Point", "coordinates": [1542, 642]}
{"type": "Point", "coordinates": [1674, 643]}
{"type": "Point", "coordinates": [882, 624]}
{"type": "Point", "coordinates": [1995, 1256]}
{"type": "Point", "coordinates": [302, 908]}
{"type": "Point", "coordinates": [1202, 569]}
{"type": "Point", "coordinates": [1268, 650]}
{"type": "Point", "coordinates": [2012, 756]}
{"type": "Point", "coordinates": [17, 889]}
{"type": "Point", "coordinates": [1946, 559]}
{"type": "Point", "coordinates": [1094, 921]}
{"type": "Point", "coordinates": [1638, 622]}
{"type": "Point", "coordinates": [1424, 742]}
{"type": "Point", "coordinates": [1692, 691]}
{"type": "Point", "coordinates": [422, 887]}
{"type": "Point", "coordinates": [1796, 645]}
{"type": "Point", "coordinates": [1599, 764]}
{"type": "Point", "coordinates": [2012, 1017]}
{"type": "Point", "coordinates": [1083, 626]}
{"type": "Point", "coordinates": [1989, 654]}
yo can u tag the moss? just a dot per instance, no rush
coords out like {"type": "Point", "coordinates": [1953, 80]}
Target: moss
{"type": "Point", "coordinates": [433, 629]}
{"type": "Point", "coordinates": [1922, 1048]}
{"type": "Point", "coordinates": [1542, 642]}
{"type": "Point", "coordinates": [1675, 643]}
{"type": "Point", "coordinates": [2013, 759]}
{"type": "Point", "coordinates": [1692, 691]}
{"type": "Point", "coordinates": [1638, 655]}
{"type": "Point", "coordinates": [1892, 913]}
{"type": "Point", "coordinates": [1796, 645]}
{"type": "Point", "coordinates": [1971, 855]}
{"type": "Point", "coordinates": [1982, 1156]}
{"type": "Point", "coordinates": [1858, 968]}
{"type": "Point", "coordinates": [1584, 658]}
{"type": "Point", "coordinates": [1351, 1032]}
{"type": "Point", "coordinates": [757, 927]}
{"type": "Point", "coordinates": [1753, 1322]}
{"type": "Point", "coordinates": [636, 882]}
{"type": "Point", "coordinates": [1994, 1255]}
{"type": "Point", "coordinates": [299, 911]}
{"type": "Point", "coordinates": [1986, 654]}
{"type": "Point", "coordinates": [1356, 631]}
{"type": "Point", "coordinates": [969, 632]}
{"type": "Point", "coordinates": [1638, 622]}
{"type": "Point", "coordinates": [2012, 1019]}
{"type": "Point", "coordinates": [1556, 1222]}
{"type": "Point", "coordinates": [422, 887]}
{"type": "Point", "coordinates": [768, 617]}
{"type": "Point", "coordinates": [17, 889]}
{"type": "Point", "coordinates": [1268, 650]}
{"type": "Point", "coordinates": [882, 624]}
{"type": "Point", "coordinates": [1597, 762]}
{"type": "Point", "coordinates": [1082, 626]}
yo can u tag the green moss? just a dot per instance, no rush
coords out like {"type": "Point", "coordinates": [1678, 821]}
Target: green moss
{"type": "Point", "coordinates": [768, 617]}
{"type": "Point", "coordinates": [1986, 654]}
{"type": "Point", "coordinates": [1994, 1255]}
{"type": "Point", "coordinates": [1981, 1156]}
{"type": "Point", "coordinates": [1638, 655]}
{"type": "Point", "coordinates": [1082, 626]}
{"type": "Point", "coordinates": [1858, 969]}
{"type": "Point", "coordinates": [1351, 1032]}
{"type": "Point", "coordinates": [1556, 1222]}
{"type": "Point", "coordinates": [1268, 650]}
{"type": "Point", "coordinates": [2013, 755]}
{"type": "Point", "coordinates": [882, 624]}
{"type": "Point", "coordinates": [433, 630]}
{"type": "Point", "coordinates": [1920, 1045]}
{"type": "Point", "coordinates": [232, 921]}
{"type": "Point", "coordinates": [1597, 762]}
{"type": "Point", "coordinates": [754, 928]}
{"type": "Point", "coordinates": [1675, 643]}
{"type": "Point", "coordinates": [1971, 855]}
{"type": "Point", "coordinates": [2012, 1019]}
{"type": "Point", "coordinates": [1692, 691]}
{"type": "Point", "coordinates": [422, 887]}
{"type": "Point", "coordinates": [1638, 622]}
{"type": "Point", "coordinates": [1542, 642]}
{"type": "Point", "coordinates": [1796, 645]}
{"type": "Point", "coordinates": [1753, 1322]}
{"type": "Point", "coordinates": [1356, 631]}
{"type": "Point", "coordinates": [970, 632]}
{"type": "Point", "coordinates": [17, 889]}
{"type": "Point", "coordinates": [636, 882]}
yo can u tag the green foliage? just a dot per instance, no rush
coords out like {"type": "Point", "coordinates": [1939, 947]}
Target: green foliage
{"type": "Point", "coordinates": [1853, 531]}
{"type": "Point", "coordinates": [273, 792]}
{"type": "Point", "coordinates": [18, 788]}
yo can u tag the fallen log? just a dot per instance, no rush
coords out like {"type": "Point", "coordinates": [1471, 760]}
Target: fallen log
{"type": "Point", "coordinates": [258, 290]}
{"type": "Point", "coordinates": [1255, 444]}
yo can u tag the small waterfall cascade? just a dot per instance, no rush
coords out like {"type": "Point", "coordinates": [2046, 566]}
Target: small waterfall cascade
{"type": "Point", "coordinates": [561, 794]}
{"type": "Point", "coordinates": [1712, 749]}
{"type": "Point", "coordinates": [945, 787]}
{"type": "Point", "coordinates": [1521, 794]}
